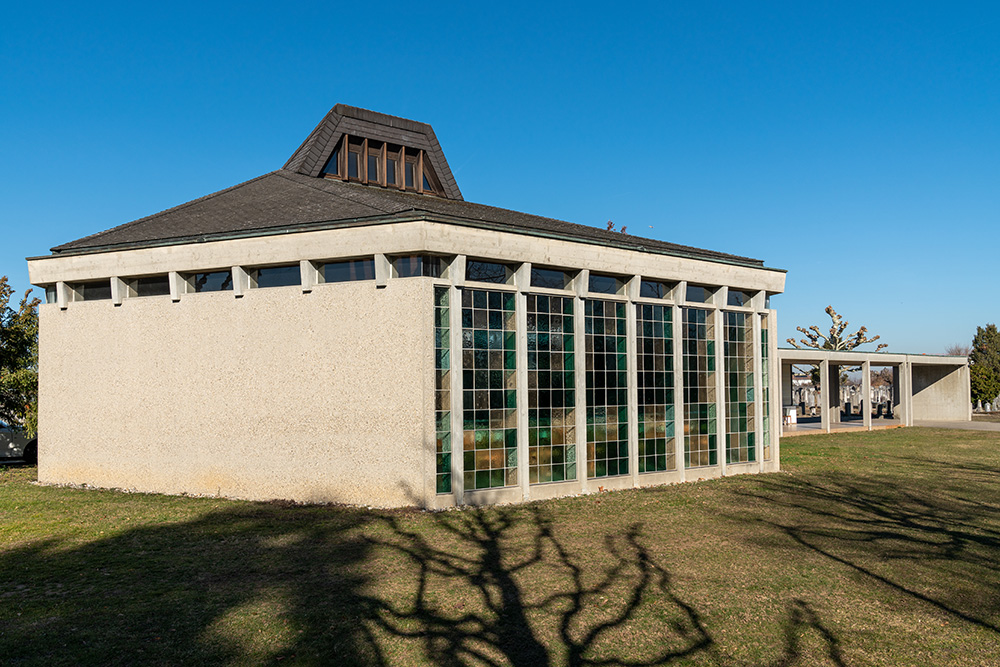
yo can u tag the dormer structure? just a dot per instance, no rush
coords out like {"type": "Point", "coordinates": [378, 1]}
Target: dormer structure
{"type": "Point", "coordinates": [362, 146]}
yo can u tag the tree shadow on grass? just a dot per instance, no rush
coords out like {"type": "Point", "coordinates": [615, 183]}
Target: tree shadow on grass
{"type": "Point", "coordinates": [268, 583]}
{"type": "Point", "coordinates": [936, 541]}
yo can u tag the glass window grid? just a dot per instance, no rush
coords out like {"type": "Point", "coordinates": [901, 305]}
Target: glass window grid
{"type": "Point", "coordinates": [551, 389]}
{"type": "Point", "coordinates": [655, 374]}
{"type": "Point", "coordinates": [741, 446]}
{"type": "Point", "coordinates": [700, 411]}
{"type": "Point", "coordinates": [489, 389]}
{"type": "Point", "coordinates": [765, 389]}
{"type": "Point", "coordinates": [442, 389]}
{"type": "Point", "coordinates": [607, 388]}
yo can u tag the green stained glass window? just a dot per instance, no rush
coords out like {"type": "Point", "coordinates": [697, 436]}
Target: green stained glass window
{"type": "Point", "coordinates": [442, 393]}
{"type": "Point", "coordinates": [551, 390]}
{"type": "Point", "coordinates": [489, 439]}
{"type": "Point", "coordinates": [607, 394]}
{"type": "Point", "coordinates": [655, 373]}
{"type": "Point", "coordinates": [698, 344]}
{"type": "Point", "coordinates": [740, 408]}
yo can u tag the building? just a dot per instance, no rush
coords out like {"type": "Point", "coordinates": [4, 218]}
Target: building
{"type": "Point", "coordinates": [349, 329]}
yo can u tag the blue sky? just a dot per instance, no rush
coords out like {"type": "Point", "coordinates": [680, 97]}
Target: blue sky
{"type": "Point", "coordinates": [856, 145]}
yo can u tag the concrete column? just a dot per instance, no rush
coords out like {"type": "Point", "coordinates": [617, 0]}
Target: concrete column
{"type": "Point", "coordinates": [772, 321]}
{"type": "Point", "coordinates": [632, 375]}
{"type": "Point", "coordinates": [720, 386]}
{"type": "Point", "coordinates": [241, 281]}
{"type": "Point", "coordinates": [785, 391]}
{"type": "Point", "coordinates": [521, 375]}
{"type": "Point", "coordinates": [62, 295]}
{"type": "Point", "coordinates": [824, 394]}
{"type": "Point", "coordinates": [833, 404]}
{"type": "Point", "coordinates": [897, 393]}
{"type": "Point", "coordinates": [176, 285]}
{"type": "Point", "coordinates": [866, 394]}
{"type": "Point", "coordinates": [758, 392]}
{"type": "Point", "coordinates": [678, 326]}
{"type": "Point", "coordinates": [118, 290]}
{"type": "Point", "coordinates": [310, 276]}
{"type": "Point", "coordinates": [580, 369]}
{"type": "Point", "coordinates": [457, 271]}
{"type": "Point", "coordinates": [383, 270]}
{"type": "Point", "coordinates": [457, 417]}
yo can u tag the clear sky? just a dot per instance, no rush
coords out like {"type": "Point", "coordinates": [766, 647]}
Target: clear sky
{"type": "Point", "coordinates": [856, 145]}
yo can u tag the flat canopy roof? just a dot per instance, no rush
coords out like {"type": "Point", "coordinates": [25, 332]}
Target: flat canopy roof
{"type": "Point", "coordinates": [857, 357]}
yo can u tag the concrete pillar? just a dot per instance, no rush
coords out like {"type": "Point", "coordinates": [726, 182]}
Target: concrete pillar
{"type": "Point", "coordinates": [720, 386]}
{"type": "Point", "coordinates": [521, 377]}
{"type": "Point", "coordinates": [176, 284]}
{"type": "Point", "coordinates": [383, 270]}
{"type": "Point", "coordinates": [866, 394]}
{"type": "Point", "coordinates": [310, 276]}
{"type": "Point", "coordinates": [62, 295]}
{"type": "Point", "coordinates": [580, 368]}
{"type": "Point", "coordinates": [833, 394]}
{"type": "Point", "coordinates": [457, 399]}
{"type": "Point", "coordinates": [758, 395]}
{"type": "Point", "coordinates": [785, 388]}
{"type": "Point", "coordinates": [632, 375]}
{"type": "Point", "coordinates": [824, 394]}
{"type": "Point", "coordinates": [118, 290]}
{"type": "Point", "coordinates": [678, 322]}
{"type": "Point", "coordinates": [772, 321]}
{"type": "Point", "coordinates": [241, 281]}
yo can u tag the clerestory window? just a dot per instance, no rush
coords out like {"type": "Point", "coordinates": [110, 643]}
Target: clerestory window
{"type": "Point", "coordinates": [382, 163]}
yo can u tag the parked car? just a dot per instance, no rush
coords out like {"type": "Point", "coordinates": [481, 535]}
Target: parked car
{"type": "Point", "coordinates": [16, 445]}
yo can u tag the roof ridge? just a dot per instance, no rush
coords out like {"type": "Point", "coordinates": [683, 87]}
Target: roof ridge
{"type": "Point", "coordinates": [164, 211]}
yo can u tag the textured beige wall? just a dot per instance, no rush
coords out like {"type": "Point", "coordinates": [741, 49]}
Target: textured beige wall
{"type": "Point", "coordinates": [278, 394]}
{"type": "Point", "coordinates": [941, 392]}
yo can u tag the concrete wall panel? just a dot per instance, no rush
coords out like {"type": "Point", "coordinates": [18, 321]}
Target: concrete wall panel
{"type": "Point", "coordinates": [314, 397]}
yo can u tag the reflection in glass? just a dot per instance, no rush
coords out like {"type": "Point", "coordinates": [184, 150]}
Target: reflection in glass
{"type": "Point", "coordinates": [279, 276]}
{"type": "Point", "coordinates": [486, 272]}
{"type": "Point", "coordinates": [98, 290]}
{"type": "Point", "coordinates": [549, 278]}
{"type": "Point", "coordinates": [414, 266]}
{"type": "Point", "coordinates": [352, 269]}
{"type": "Point", "coordinates": [151, 286]}
{"type": "Point", "coordinates": [213, 281]}
{"type": "Point", "coordinates": [604, 284]}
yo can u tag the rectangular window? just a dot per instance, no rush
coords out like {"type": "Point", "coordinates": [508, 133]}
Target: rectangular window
{"type": "Point", "coordinates": [700, 412]}
{"type": "Point", "coordinates": [333, 164]}
{"type": "Point", "coordinates": [654, 289]}
{"type": "Point", "coordinates": [413, 266]}
{"type": "Point", "coordinates": [353, 160]}
{"type": "Point", "coordinates": [607, 389]}
{"type": "Point", "coordinates": [50, 294]}
{"type": "Point", "coordinates": [738, 354]}
{"type": "Point", "coordinates": [390, 171]}
{"type": "Point", "coordinates": [765, 388]}
{"type": "Point", "coordinates": [149, 286]}
{"type": "Point", "coordinates": [551, 390]}
{"type": "Point", "coordinates": [487, 272]}
{"type": "Point", "coordinates": [348, 270]}
{"type": "Point", "coordinates": [655, 357]}
{"type": "Point", "coordinates": [489, 389]}
{"type": "Point", "coordinates": [738, 298]}
{"type": "Point", "coordinates": [442, 391]}
{"type": "Point", "coordinates": [277, 276]}
{"type": "Point", "coordinates": [373, 161]}
{"type": "Point", "coordinates": [211, 281]}
{"type": "Point", "coordinates": [94, 290]}
{"type": "Point", "coordinates": [699, 293]}
{"type": "Point", "coordinates": [604, 284]}
{"type": "Point", "coordinates": [549, 278]}
{"type": "Point", "coordinates": [410, 169]}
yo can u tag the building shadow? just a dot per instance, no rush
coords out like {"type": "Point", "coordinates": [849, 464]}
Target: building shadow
{"type": "Point", "coordinates": [267, 583]}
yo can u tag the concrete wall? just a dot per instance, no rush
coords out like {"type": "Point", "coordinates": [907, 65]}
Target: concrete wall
{"type": "Point", "coordinates": [319, 396]}
{"type": "Point", "coordinates": [941, 393]}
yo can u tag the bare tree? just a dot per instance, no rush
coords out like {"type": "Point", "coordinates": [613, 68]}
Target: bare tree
{"type": "Point", "coordinates": [958, 350]}
{"type": "Point", "coordinates": [837, 340]}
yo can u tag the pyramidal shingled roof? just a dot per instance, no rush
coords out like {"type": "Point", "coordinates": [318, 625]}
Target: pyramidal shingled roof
{"type": "Point", "coordinates": [298, 198]}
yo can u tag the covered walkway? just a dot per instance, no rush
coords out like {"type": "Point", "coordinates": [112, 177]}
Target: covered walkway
{"type": "Point", "coordinates": [924, 388]}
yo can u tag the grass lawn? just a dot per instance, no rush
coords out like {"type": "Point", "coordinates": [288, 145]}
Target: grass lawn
{"type": "Point", "coordinates": [878, 548]}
